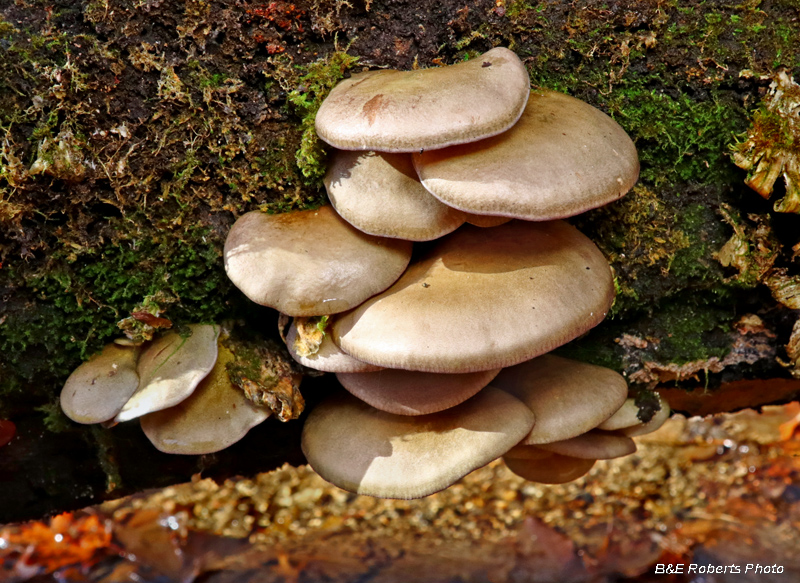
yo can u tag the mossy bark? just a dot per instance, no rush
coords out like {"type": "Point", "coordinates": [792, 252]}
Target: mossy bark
{"type": "Point", "coordinates": [135, 132]}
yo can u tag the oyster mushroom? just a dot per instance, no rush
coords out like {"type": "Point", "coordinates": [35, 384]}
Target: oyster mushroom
{"type": "Point", "coordinates": [170, 369]}
{"type": "Point", "coordinates": [568, 397]}
{"type": "Point", "coordinates": [99, 388]}
{"type": "Point", "coordinates": [366, 451]}
{"type": "Point", "coordinates": [546, 469]}
{"type": "Point", "coordinates": [310, 263]}
{"type": "Point", "coordinates": [406, 392]}
{"type": "Point", "coordinates": [328, 357]}
{"type": "Point", "coordinates": [405, 111]}
{"type": "Point", "coordinates": [380, 194]}
{"type": "Point", "coordinates": [215, 416]}
{"type": "Point", "coordinates": [483, 299]}
{"type": "Point", "coordinates": [593, 445]}
{"type": "Point", "coordinates": [562, 158]}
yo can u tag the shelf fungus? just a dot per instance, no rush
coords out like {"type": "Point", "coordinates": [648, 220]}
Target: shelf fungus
{"type": "Point", "coordinates": [772, 146]}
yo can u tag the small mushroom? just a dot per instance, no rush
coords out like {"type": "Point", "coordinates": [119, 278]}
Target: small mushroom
{"type": "Point", "coordinates": [593, 445]}
{"type": "Point", "coordinates": [98, 389]}
{"type": "Point", "coordinates": [483, 299]}
{"type": "Point", "coordinates": [655, 422]}
{"type": "Point", "coordinates": [405, 111]}
{"type": "Point", "coordinates": [553, 469]}
{"type": "Point", "coordinates": [380, 194]}
{"type": "Point", "coordinates": [568, 397]}
{"type": "Point", "coordinates": [170, 369]}
{"type": "Point", "coordinates": [366, 451]}
{"type": "Point", "coordinates": [310, 263]}
{"type": "Point", "coordinates": [406, 392]}
{"type": "Point", "coordinates": [625, 416]}
{"type": "Point", "coordinates": [214, 417]}
{"type": "Point", "coordinates": [562, 158]}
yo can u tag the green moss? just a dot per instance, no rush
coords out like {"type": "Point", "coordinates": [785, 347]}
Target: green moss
{"type": "Point", "coordinates": [317, 79]}
{"type": "Point", "coordinates": [77, 303]}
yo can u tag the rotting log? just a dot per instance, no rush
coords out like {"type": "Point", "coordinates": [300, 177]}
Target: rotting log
{"type": "Point", "coordinates": [133, 134]}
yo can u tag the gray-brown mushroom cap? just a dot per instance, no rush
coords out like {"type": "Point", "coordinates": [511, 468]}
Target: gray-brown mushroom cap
{"type": "Point", "coordinates": [366, 451]}
{"type": "Point", "coordinates": [407, 392]}
{"type": "Point", "coordinates": [593, 445]}
{"type": "Point", "coordinates": [554, 469]}
{"type": "Point", "coordinates": [404, 111]}
{"type": "Point", "coordinates": [626, 416]}
{"type": "Point", "coordinates": [654, 424]}
{"type": "Point", "coordinates": [562, 158]}
{"type": "Point", "coordinates": [329, 357]}
{"type": "Point", "coordinates": [568, 397]}
{"type": "Point", "coordinates": [214, 417]}
{"type": "Point", "coordinates": [170, 369]}
{"type": "Point", "coordinates": [380, 194]}
{"type": "Point", "coordinates": [310, 263]}
{"type": "Point", "coordinates": [483, 299]}
{"type": "Point", "coordinates": [100, 387]}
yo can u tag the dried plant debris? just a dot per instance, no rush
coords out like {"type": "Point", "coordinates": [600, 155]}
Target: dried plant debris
{"type": "Point", "coordinates": [267, 376]}
{"type": "Point", "coordinates": [310, 333]}
{"type": "Point", "coordinates": [146, 319]}
{"type": "Point", "coordinates": [772, 144]}
{"type": "Point", "coordinates": [793, 352]}
{"type": "Point", "coordinates": [752, 249]}
{"type": "Point", "coordinates": [785, 288]}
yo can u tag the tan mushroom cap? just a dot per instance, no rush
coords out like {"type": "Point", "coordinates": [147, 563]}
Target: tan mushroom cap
{"type": "Point", "coordinates": [485, 220]}
{"type": "Point", "coordinates": [380, 194]}
{"type": "Point", "coordinates": [655, 422]}
{"type": "Point", "coordinates": [405, 111]}
{"type": "Point", "coordinates": [483, 299]}
{"type": "Point", "coordinates": [406, 392]}
{"type": "Point", "coordinates": [593, 445]}
{"type": "Point", "coordinates": [214, 417]}
{"type": "Point", "coordinates": [626, 416]}
{"type": "Point", "coordinates": [100, 387]}
{"type": "Point", "coordinates": [329, 357]}
{"type": "Point", "coordinates": [562, 158]}
{"type": "Point", "coordinates": [366, 451]}
{"type": "Point", "coordinates": [568, 397]}
{"type": "Point", "coordinates": [554, 469]}
{"type": "Point", "coordinates": [310, 263]}
{"type": "Point", "coordinates": [170, 369]}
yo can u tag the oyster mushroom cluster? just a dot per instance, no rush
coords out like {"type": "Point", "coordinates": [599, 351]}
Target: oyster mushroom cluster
{"type": "Point", "coordinates": [178, 385]}
{"type": "Point", "coordinates": [439, 351]}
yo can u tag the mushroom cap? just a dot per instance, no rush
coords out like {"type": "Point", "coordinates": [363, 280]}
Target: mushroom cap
{"type": "Point", "coordinates": [626, 416]}
{"type": "Point", "coordinates": [562, 158]}
{"type": "Point", "coordinates": [485, 220]}
{"type": "Point", "coordinates": [568, 397]}
{"type": "Point", "coordinates": [170, 369]}
{"type": "Point", "coordinates": [593, 445]}
{"type": "Point", "coordinates": [404, 111]}
{"type": "Point", "coordinates": [214, 417]}
{"type": "Point", "coordinates": [100, 387]}
{"type": "Point", "coordinates": [482, 299]}
{"type": "Point", "coordinates": [407, 392]}
{"type": "Point", "coordinates": [655, 422]}
{"type": "Point", "coordinates": [554, 469]}
{"type": "Point", "coordinates": [310, 263]}
{"type": "Point", "coordinates": [366, 451]}
{"type": "Point", "coordinates": [329, 357]}
{"type": "Point", "coordinates": [380, 194]}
